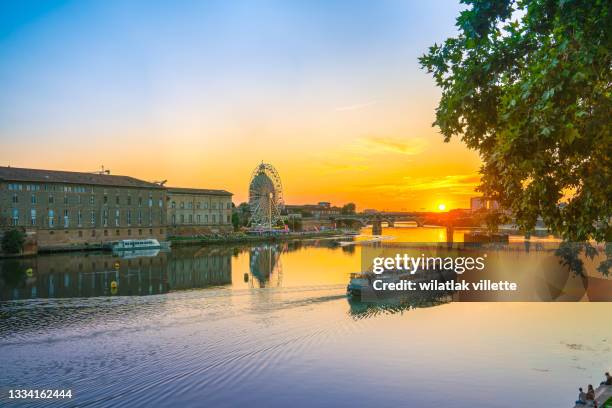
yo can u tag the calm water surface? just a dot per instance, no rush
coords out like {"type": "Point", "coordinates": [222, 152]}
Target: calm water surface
{"type": "Point", "coordinates": [270, 325]}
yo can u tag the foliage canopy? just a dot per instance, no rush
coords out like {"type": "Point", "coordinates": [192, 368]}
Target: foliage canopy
{"type": "Point", "coordinates": [528, 85]}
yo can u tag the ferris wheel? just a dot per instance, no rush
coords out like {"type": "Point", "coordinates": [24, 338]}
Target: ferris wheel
{"type": "Point", "coordinates": [265, 197]}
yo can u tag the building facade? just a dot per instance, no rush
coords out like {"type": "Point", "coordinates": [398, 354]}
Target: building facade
{"type": "Point", "coordinates": [321, 210]}
{"type": "Point", "coordinates": [70, 208]}
{"type": "Point", "coordinates": [194, 211]}
{"type": "Point", "coordinates": [478, 203]}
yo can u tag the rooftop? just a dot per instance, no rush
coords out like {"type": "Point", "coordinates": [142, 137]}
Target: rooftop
{"type": "Point", "coordinates": [182, 190]}
{"type": "Point", "coordinates": [71, 177]}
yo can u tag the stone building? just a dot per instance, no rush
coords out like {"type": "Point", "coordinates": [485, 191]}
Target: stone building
{"type": "Point", "coordinates": [195, 211]}
{"type": "Point", "coordinates": [67, 209]}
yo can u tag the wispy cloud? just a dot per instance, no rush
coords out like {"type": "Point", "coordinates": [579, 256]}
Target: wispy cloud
{"type": "Point", "coordinates": [462, 184]}
{"type": "Point", "coordinates": [380, 144]}
{"type": "Point", "coordinates": [355, 107]}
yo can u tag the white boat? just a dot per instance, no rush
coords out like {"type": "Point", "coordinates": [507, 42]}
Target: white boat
{"type": "Point", "coordinates": [135, 244]}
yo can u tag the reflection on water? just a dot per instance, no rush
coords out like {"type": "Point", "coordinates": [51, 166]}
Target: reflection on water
{"type": "Point", "coordinates": [270, 324]}
{"type": "Point", "coordinates": [360, 309]}
{"type": "Point", "coordinates": [68, 275]}
{"type": "Point", "coordinates": [265, 265]}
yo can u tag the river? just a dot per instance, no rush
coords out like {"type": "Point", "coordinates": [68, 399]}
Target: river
{"type": "Point", "coordinates": [270, 324]}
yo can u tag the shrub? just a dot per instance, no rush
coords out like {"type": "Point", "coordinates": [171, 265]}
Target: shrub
{"type": "Point", "coordinates": [12, 241]}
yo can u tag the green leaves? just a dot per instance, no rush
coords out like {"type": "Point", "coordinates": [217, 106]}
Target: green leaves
{"type": "Point", "coordinates": [534, 97]}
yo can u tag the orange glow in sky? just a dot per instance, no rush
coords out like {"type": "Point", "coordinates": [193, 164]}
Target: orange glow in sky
{"type": "Point", "coordinates": [343, 113]}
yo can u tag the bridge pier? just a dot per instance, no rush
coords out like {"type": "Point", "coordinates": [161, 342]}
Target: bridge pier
{"type": "Point", "coordinates": [377, 227]}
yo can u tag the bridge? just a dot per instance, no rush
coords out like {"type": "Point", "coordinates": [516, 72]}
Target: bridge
{"type": "Point", "coordinates": [376, 219]}
{"type": "Point", "coordinates": [450, 220]}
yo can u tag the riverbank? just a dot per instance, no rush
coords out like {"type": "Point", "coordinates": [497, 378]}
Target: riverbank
{"type": "Point", "coordinates": [233, 238]}
{"type": "Point", "coordinates": [241, 238]}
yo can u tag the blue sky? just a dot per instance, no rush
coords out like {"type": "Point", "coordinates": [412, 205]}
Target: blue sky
{"type": "Point", "coordinates": [118, 82]}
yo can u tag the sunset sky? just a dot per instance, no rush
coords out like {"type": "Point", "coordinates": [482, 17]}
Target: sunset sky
{"type": "Point", "coordinates": [200, 92]}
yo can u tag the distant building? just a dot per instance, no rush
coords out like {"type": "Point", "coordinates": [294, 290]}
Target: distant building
{"type": "Point", "coordinates": [314, 210]}
{"type": "Point", "coordinates": [65, 208]}
{"type": "Point", "coordinates": [370, 211]}
{"type": "Point", "coordinates": [324, 204]}
{"type": "Point", "coordinates": [477, 203]}
{"type": "Point", "coordinates": [480, 203]}
{"type": "Point", "coordinates": [196, 211]}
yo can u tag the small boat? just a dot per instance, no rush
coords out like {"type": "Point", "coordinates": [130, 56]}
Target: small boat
{"type": "Point", "coordinates": [361, 285]}
{"type": "Point", "coordinates": [135, 244]}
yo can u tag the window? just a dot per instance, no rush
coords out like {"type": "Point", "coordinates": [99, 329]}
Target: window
{"type": "Point", "coordinates": [92, 200]}
{"type": "Point", "coordinates": [105, 199]}
{"type": "Point", "coordinates": [129, 232]}
{"type": "Point", "coordinates": [173, 219]}
{"type": "Point", "coordinates": [51, 199]}
{"type": "Point", "coordinates": [206, 219]}
{"type": "Point", "coordinates": [173, 204]}
{"type": "Point", "coordinates": [106, 233]}
{"type": "Point", "coordinates": [117, 200]}
{"type": "Point", "coordinates": [105, 218]}
{"type": "Point", "coordinates": [51, 218]}
{"type": "Point", "coordinates": [182, 205]}
{"type": "Point", "coordinates": [199, 218]}
{"type": "Point", "coordinates": [214, 206]}
{"type": "Point", "coordinates": [80, 234]}
{"type": "Point", "coordinates": [160, 203]}
{"type": "Point", "coordinates": [66, 219]}
{"type": "Point", "coordinates": [205, 206]}
{"type": "Point", "coordinates": [33, 216]}
{"type": "Point", "coordinates": [229, 205]}
{"type": "Point", "coordinates": [15, 217]}
{"type": "Point", "coordinates": [150, 201]}
{"type": "Point", "coordinates": [214, 219]}
{"type": "Point", "coordinates": [15, 198]}
{"type": "Point", "coordinates": [33, 199]}
{"type": "Point", "coordinates": [139, 217]}
{"type": "Point", "coordinates": [150, 230]}
{"type": "Point", "coordinates": [93, 217]}
{"type": "Point", "coordinates": [139, 232]}
{"type": "Point", "coordinates": [93, 233]}
{"type": "Point", "coordinates": [228, 219]}
{"type": "Point", "coordinates": [129, 217]}
{"type": "Point", "coordinates": [182, 219]}
{"type": "Point", "coordinates": [139, 201]}
{"type": "Point", "coordinates": [116, 218]}
{"type": "Point", "coordinates": [190, 205]}
{"type": "Point", "coordinates": [191, 218]}
{"type": "Point", "coordinates": [129, 200]}
{"type": "Point", "coordinates": [79, 218]}
{"type": "Point", "coordinates": [65, 200]}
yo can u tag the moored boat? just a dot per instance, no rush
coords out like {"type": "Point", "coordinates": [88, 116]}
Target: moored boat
{"type": "Point", "coordinates": [135, 244]}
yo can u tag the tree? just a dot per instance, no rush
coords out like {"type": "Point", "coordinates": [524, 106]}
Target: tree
{"type": "Point", "coordinates": [236, 221]}
{"type": "Point", "coordinates": [348, 209]}
{"type": "Point", "coordinates": [527, 84]}
{"type": "Point", "coordinates": [12, 241]}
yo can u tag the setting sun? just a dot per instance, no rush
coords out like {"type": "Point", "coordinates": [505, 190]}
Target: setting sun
{"type": "Point", "coordinates": [441, 207]}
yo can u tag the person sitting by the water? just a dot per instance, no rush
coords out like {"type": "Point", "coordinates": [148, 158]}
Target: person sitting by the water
{"type": "Point", "coordinates": [590, 395]}
{"type": "Point", "coordinates": [608, 380]}
{"type": "Point", "coordinates": [581, 397]}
